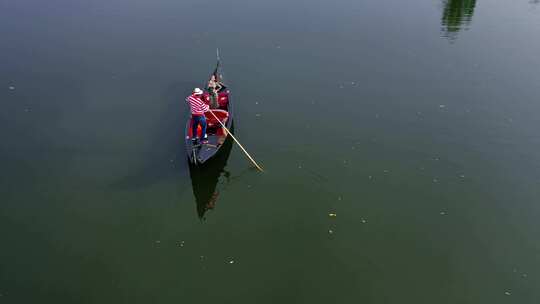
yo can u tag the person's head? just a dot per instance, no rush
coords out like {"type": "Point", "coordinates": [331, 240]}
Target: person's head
{"type": "Point", "coordinates": [197, 92]}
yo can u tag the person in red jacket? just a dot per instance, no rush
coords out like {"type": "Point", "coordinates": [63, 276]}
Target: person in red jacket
{"type": "Point", "coordinates": [198, 108]}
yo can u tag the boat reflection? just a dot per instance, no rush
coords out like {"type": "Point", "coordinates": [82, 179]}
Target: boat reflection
{"type": "Point", "coordinates": [457, 15]}
{"type": "Point", "coordinates": [207, 178]}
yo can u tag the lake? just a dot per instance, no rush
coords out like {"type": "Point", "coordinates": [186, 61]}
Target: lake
{"type": "Point", "coordinates": [399, 141]}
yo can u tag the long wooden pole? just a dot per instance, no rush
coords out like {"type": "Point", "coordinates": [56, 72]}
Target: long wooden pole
{"type": "Point", "coordinates": [236, 140]}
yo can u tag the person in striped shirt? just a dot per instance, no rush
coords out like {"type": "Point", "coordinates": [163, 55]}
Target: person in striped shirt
{"type": "Point", "coordinates": [198, 108]}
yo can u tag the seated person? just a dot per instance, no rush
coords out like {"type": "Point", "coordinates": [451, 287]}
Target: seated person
{"type": "Point", "coordinates": [214, 86]}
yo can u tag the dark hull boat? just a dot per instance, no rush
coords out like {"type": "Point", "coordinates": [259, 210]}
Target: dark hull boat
{"type": "Point", "coordinates": [208, 178]}
{"type": "Point", "coordinates": [198, 153]}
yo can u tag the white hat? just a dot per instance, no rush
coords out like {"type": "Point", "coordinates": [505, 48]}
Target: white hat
{"type": "Point", "coordinates": [197, 91]}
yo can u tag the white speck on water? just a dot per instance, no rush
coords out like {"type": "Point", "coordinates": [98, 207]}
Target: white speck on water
{"type": "Point", "coordinates": [435, 180]}
{"type": "Point", "coordinates": [258, 115]}
{"type": "Point", "coordinates": [386, 171]}
{"type": "Point", "coordinates": [442, 106]}
{"type": "Point", "coordinates": [339, 198]}
{"type": "Point", "coordinates": [171, 160]}
{"type": "Point", "coordinates": [330, 231]}
{"type": "Point", "coordinates": [180, 243]}
{"type": "Point", "coordinates": [332, 214]}
{"type": "Point", "coordinates": [363, 221]}
{"type": "Point", "coordinates": [462, 176]}
{"type": "Point", "coordinates": [507, 293]}
{"type": "Point", "coordinates": [299, 166]}
{"type": "Point", "coordinates": [524, 275]}
{"type": "Point", "coordinates": [231, 262]}
{"type": "Point", "coordinates": [352, 82]}
{"type": "Point", "coordinates": [370, 177]}
{"type": "Point", "coordinates": [11, 88]}
{"type": "Point", "coordinates": [256, 102]}
{"type": "Point", "coordinates": [442, 213]}
{"type": "Point", "coordinates": [249, 186]}
{"type": "Point", "coordinates": [158, 242]}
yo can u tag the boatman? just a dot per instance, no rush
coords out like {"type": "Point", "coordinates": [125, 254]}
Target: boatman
{"type": "Point", "coordinates": [198, 108]}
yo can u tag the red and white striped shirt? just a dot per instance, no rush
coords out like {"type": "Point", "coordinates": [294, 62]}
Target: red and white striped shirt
{"type": "Point", "coordinates": [197, 105]}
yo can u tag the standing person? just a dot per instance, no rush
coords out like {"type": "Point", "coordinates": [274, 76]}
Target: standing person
{"type": "Point", "coordinates": [198, 108]}
{"type": "Point", "coordinates": [214, 86]}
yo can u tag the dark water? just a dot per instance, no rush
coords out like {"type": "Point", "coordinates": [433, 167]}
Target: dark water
{"type": "Point", "coordinates": [416, 123]}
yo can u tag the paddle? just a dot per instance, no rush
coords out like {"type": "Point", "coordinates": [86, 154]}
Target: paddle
{"type": "Point", "coordinates": [236, 140]}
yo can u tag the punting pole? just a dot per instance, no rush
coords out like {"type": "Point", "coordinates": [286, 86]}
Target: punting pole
{"type": "Point", "coordinates": [236, 140]}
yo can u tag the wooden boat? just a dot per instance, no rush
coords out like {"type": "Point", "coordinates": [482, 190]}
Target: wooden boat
{"type": "Point", "coordinates": [199, 153]}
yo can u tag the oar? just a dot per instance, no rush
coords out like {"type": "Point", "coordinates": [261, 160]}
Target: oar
{"type": "Point", "coordinates": [236, 140]}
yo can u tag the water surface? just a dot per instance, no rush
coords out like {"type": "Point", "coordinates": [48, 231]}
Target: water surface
{"type": "Point", "coordinates": [415, 123]}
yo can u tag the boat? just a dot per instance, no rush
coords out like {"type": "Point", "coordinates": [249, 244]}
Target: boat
{"type": "Point", "coordinates": [200, 153]}
{"type": "Point", "coordinates": [209, 178]}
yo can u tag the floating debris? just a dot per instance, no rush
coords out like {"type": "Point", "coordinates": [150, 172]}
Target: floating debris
{"type": "Point", "coordinates": [11, 88]}
{"type": "Point", "coordinates": [180, 243]}
{"type": "Point", "coordinates": [442, 106]}
{"type": "Point", "coordinates": [231, 262]}
{"type": "Point", "coordinates": [158, 242]}
{"type": "Point", "coordinates": [370, 177]}
{"type": "Point", "coordinates": [363, 221]}
{"type": "Point", "coordinates": [435, 180]}
{"type": "Point", "coordinates": [332, 214]}
{"type": "Point", "coordinates": [442, 213]}
{"type": "Point", "coordinates": [256, 102]}
{"type": "Point", "coordinates": [258, 115]}
{"type": "Point", "coordinates": [339, 198]}
{"type": "Point", "coordinates": [524, 275]}
{"type": "Point", "coordinates": [330, 231]}
{"type": "Point", "coordinates": [462, 176]}
{"type": "Point", "coordinates": [507, 293]}
{"type": "Point", "coordinates": [386, 171]}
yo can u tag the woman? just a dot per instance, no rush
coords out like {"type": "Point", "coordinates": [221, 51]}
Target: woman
{"type": "Point", "coordinates": [214, 86]}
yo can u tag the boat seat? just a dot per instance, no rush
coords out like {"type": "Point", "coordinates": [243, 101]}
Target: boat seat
{"type": "Point", "coordinates": [211, 121]}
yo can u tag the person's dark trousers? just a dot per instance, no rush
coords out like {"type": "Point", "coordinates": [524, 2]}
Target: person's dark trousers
{"type": "Point", "coordinates": [198, 119]}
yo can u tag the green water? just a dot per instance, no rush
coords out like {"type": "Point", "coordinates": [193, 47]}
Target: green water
{"type": "Point", "coordinates": [416, 123]}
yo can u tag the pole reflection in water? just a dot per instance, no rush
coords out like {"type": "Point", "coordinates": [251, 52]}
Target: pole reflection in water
{"type": "Point", "coordinates": [206, 178]}
{"type": "Point", "coordinates": [457, 15]}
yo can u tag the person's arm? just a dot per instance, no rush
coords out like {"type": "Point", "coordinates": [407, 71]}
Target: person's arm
{"type": "Point", "coordinates": [206, 107]}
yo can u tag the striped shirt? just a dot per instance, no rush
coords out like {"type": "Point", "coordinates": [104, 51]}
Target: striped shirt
{"type": "Point", "coordinates": [197, 105]}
